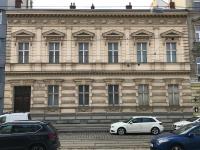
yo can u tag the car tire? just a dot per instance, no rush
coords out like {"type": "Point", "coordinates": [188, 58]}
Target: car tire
{"type": "Point", "coordinates": [121, 131]}
{"type": "Point", "coordinates": [155, 130]}
{"type": "Point", "coordinates": [176, 147]}
{"type": "Point", "coordinates": [37, 147]}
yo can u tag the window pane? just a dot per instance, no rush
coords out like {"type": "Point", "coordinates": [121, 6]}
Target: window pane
{"type": "Point", "coordinates": [144, 46]}
{"type": "Point", "coordinates": [80, 46]}
{"type": "Point", "coordinates": [144, 56]}
{"type": "Point", "coordinates": [110, 60]}
{"type": "Point", "coordinates": [116, 100]}
{"type": "Point", "coordinates": [80, 99]}
{"type": "Point", "coordinates": [110, 99]}
{"type": "Point", "coordinates": [86, 88]}
{"type": "Point", "coordinates": [80, 88]}
{"type": "Point", "coordinates": [115, 46]}
{"type": "Point", "coordinates": [50, 88]}
{"type": "Point", "coordinates": [20, 59]}
{"type": "Point", "coordinates": [168, 46]}
{"type": "Point", "coordinates": [110, 88]}
{"type": "Point", "coordinates": [173, 56]}
{"type": "Point", "coordinates": [139, 56]}
{"type": "Point", "coordinates": [56, 89]}
{"type": "Point", "coordinates": [26, 57]}
{"type": "Point", "coordinates": [86, 99]}
{"type": "Point", "coordinates": [138, 46]}
{"type": "Point", "coordinates": [109, 46]}
{"type": "Point", "coordinates": [57, 46]}
{"type": "Point", "coordinates": [86, 46]}
{"type": "Point", "coordinates": [56, 97]}
{"type": "Point", "coordinates": [26, 46]}
{"type": "Point", "coordinates": [116, 57]}
{"type": "Point", "coordinates": [86, 57]}
{"type": "Point", "coordinates": [57, 57]}
{"type": "Point", "coordinates": [50, 100]}
{"type": "Point", "coordinates": [5, 129]}
{"type": "Point", "coordinates": [168, 56]}
{"type": "Point", "coordinates": [51, 46]}
{"type": "Point", "coordinates": [51, 57]}
{"type": "Point", "coordinates": [173, 46]}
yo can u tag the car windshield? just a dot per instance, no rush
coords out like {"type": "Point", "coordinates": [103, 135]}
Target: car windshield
{"type": "Point", "coordinates": [183, 129]}
{"type": "Point", "coordinates": [126, 121]}
{"type": "Point", "coordinates": [192, 119]}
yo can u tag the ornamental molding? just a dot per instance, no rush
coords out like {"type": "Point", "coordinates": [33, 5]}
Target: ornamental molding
{"type": "Point", "coordinates": [171, 34]}
{"type": "Point", "coordinates": [113, 34]}
{"type": "Point", "coordinates": [23, 36]}
{"type": "Point", "coordinates": [83, 35]}
{"type": "Point", "coordinates": [53, 33]}
{"type": "Point", "coordinates": [142, 33]}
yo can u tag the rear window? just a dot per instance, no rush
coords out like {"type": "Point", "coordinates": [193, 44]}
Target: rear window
{"type": "Point", "coordinates": [51, 128]}
{"type": "Point", "coordinates": [148, 120]}
{"type": "Point", "coordinates": [5, 129]}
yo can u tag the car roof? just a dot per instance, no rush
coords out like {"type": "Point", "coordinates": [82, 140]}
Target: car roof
{"type": "Point", "coordinates": [26, 122]}
{"type": "Point", "coordinates": [143, 117]}
{"type": "Point", "coordinates": [7, 114]}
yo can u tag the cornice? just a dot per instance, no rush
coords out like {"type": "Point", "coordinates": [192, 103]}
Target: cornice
{"type": "Point", "coordinates": [91, 13]}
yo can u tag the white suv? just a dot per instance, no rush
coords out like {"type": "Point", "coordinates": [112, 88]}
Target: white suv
{"type": "Point", "coordinates": [14, 117]}
{"type": "Point", "coordinates": [138, 124]}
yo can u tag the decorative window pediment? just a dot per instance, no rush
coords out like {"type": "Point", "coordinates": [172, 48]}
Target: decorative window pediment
{"type": "Point", "coordinates": [83, 35]}
{"type": "Point", "coordinates": [23, 35]}
{"type": "Point", "coordinates": [142, 34]}
{"type": "Point", "coordinates": [53, 35]}
{"type": "Point", "coordinates": [171, 34]}
{"type": "Point", "coordinates": [113, 34]}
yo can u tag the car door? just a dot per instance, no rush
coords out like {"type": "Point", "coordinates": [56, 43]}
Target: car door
{"type": "Point", "coordinates": [134, 125]}
{"type": "Point", "coordinates": [148, 124]}
{"type": "Point", "coordinates": [194, 140]}
{"type": "Point", "coordinates": [5, 137]}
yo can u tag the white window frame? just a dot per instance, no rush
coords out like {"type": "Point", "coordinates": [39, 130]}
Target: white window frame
{"type": "Point", "coordinates": [1, 17]}
{"type": "Point", "coordinates": [84, 93]}
{"type": "Point", "coordinates": [84, 50]}
{"type": "Point", "coordinates": [142, 102]}
{"type": "Point", "coordinates": [197, 33]}
{"type": "Point", "coordinates": [113, 94]}
{"type": "Point", "coordinates": [23, 50]}
{"type": "Point", "coordinates": [171, 50]}
{"type": "Point", "coordinates": [141, 50]}
{"type": "Point", "coordinates": [113, 50]}
{"type": "Point", "coordinates": [54, 50]}
{"type": "Point", "coordinates": [53, 93]}
{"type": "Point", "coordinates": [173, 103]}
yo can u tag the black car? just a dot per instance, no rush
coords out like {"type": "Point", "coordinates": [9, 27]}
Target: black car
{"type": "Point", "coordinates": [28, 135]}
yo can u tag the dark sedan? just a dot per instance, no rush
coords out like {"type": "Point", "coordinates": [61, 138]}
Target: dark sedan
{"type": "Point", "coordinates": [185, 138]}
{"type": "Point", "coordinates": [28, 135]}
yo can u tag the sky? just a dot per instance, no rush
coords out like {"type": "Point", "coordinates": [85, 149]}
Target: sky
{"type": "Point", "coordinates": [86, 4]}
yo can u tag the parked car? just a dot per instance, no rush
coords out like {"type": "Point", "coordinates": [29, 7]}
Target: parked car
{"type": "Point", "coordinates": [14, 116]}
{"type": "Point", "coordinates": [184, 138]}
{"type": "Point", "coordinates": [138, 124]}
{"type": "Point", "coordinates": [179, 124]}
{"type": "Point", "coordinates": [28, 135]}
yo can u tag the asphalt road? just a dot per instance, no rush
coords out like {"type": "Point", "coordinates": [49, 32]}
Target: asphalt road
{"type": "Point", "coordinates": [104, 141]}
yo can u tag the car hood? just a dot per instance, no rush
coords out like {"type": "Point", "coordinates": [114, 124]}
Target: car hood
{"type": "Point", "coordinates": [118, 124]}
{"type": "Point", "coordinates": [163, 135]}
{"type": "Point", "coordinates": [180, 123]}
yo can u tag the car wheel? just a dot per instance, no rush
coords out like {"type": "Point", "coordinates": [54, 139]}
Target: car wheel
{"type": "Point", "coordinates": [121, 131]}
{"type": "Point", "coordinates": [37, 147]}
{"type": "Point", "coordinates": [176, 147]}
{"type": "Point", "coordinates": [155, 131]}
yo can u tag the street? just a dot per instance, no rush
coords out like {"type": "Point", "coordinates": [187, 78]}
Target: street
{"type": "Point", "coordinates": [103, 140]}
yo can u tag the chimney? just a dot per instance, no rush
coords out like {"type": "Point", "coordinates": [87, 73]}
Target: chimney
{"type": "Point", "coordinates": [172, 5]}
{"type": "Point", "coordinates": [72, 6]}
{"type": "Point", "coordinates": [92, 7]}
{"type": "Point", "coordinates": [129, 6]}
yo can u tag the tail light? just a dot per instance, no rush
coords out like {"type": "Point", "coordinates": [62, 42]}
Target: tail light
{"type": "Point", "coordinates": [52, 136]}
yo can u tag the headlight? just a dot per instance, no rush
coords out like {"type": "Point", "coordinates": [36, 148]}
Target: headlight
{"type": "Point", "coordinates": [112, 126]}
{"type": "Point", "coordinates": [160, 141]}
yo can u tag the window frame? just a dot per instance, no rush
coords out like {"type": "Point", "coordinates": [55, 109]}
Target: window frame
{"type": "Point", "coordinates": [143, 93]}
{"type": "Point", "coordinates": [23, 51]}
{"type": "Point", "coordinates": [1, 17]}
{"type": "Point", "coordinates": [85, 57]}
{"type": "Point", "coordinates": [174, 93]}
{"type": "Point", "coordinates": [53, 93]}
{"type": "Point", "coordinates": [113, 51]}
{"type": "Point", "coordinates": [54, 51]}
{"type": "Point", "coordinates": [197, 32]}
{"type": "Point", "coordinates": [114, 93]}
{"type": "Point", "coordinates": [85, 95]}
{"type": "Point", "coordinates": [170, 51]}
{"type": "Point", "coordinates": [142, 51]}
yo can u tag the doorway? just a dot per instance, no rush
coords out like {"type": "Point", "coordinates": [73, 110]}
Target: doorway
{"type": "Point", "coordinates": [22, 98]}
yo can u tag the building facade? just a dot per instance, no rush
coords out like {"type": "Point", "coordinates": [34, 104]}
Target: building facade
{"type": "Point", "coordinates": [194, 42]}
{"type": "Point", "coordinates": [62, 62]}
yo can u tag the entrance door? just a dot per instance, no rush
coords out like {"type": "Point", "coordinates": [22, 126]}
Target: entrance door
{"type": "Point", "coordinates": [22, 98]}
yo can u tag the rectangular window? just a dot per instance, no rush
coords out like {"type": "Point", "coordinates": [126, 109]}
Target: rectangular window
{"type": "Point", "coordinates": [83, 53]}
{"type": "Point", "coordinates": [143, 95]}
{"type": "Point", "coordinates": [171, 52]}
{"type": "Point", "coordinates": [23, 52]}
{"type": "Point", "coordinates": [198, 65]}
{"type": "Point", "coordinates": [54, 48]}
{"type": "Point", "coordinates": [196, 5]}
{"type": "Point", "coordinates": [112, 52]}
{"type": "Point", "coordinates": [113, 94]}
{"type": "Point", "coordinates": [53, 95]}
{"type": "Point", "coordinates": [173, 94]}
{"type": "Point", "coordinates": [197, 33]}
{"type": "Point", "coordinates": [1, 17]}
{"type": "Point", "coordinates": [142, 52]}
{"type": "Point", "coordinates": [83, 95]}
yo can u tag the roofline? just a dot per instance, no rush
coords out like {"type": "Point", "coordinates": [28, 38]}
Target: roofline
{"type": "Point", "coordinates": [97, 12]}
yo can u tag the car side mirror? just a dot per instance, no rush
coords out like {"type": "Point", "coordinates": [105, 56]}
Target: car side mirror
{"type": "Point", "coordinates": [191, 135]}
{"type": "Point", "coordinates": [130, 122]}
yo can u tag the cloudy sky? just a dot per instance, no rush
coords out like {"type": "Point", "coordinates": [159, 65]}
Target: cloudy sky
{"type": "Point", "coordinates": [85, 4]}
